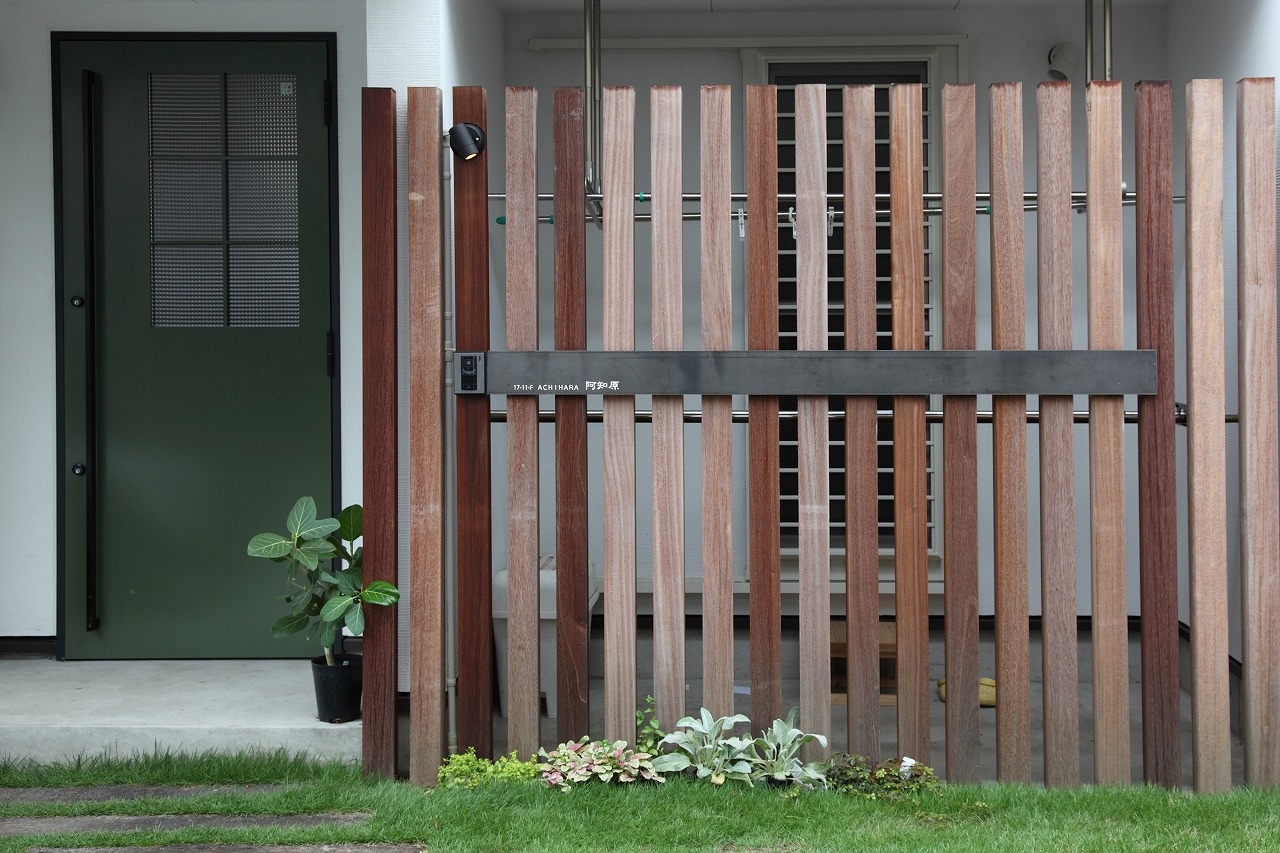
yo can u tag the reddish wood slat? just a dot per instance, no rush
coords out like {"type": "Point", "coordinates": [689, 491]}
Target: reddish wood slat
{"type": "Point", "coordinates": [1106, 441]}
{"type": "Point", "coordinates": [428, 728]}
{"type": "Point", "coordinates": [1259, 433]}
{"type": "Point", "coordinates": [668, 412]}
{"type": "Point", "coordinates": [571, 417]}
{"type": "Point", "coordinates": [960, 434]}
{"type": "Point", "coordinates": [1157, 463]}
{"type": "Point", "coordinates": [475, 522]}
{"type": "Point", "coordinates": [1009, 441]}
{"type": "Point", "coordinates": [378, 189]}
{"type": "Point", "coordinates": [1206, 485]}
{"type": "Point", "coordinates": [619, 418]}
{"type": "Point", "coordinates": [1057, 443]}
{"type": "Point", "coordinates": [717, 412]}
{"type": "Point", "coordinates": [523, 707]}
{"type": "Point", "coordinates": [764, 537]}
{"type": "Point", "coordinates": [906, 169]}
{"type": "Point", "coordinates": [812, 441]}
{"type": "Point", "coordinates": [862, 510]}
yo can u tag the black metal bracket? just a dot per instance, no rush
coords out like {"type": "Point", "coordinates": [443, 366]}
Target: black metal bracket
{"type": "Point", "coordinates": [808, 373]}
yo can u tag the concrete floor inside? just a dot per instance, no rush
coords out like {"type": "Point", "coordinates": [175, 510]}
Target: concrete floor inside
{"type": "Point", "coordinates": [51, 710]}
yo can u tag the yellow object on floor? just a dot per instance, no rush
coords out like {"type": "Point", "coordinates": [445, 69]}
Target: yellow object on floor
{"type": "Point", "coordinates": [986, 691]}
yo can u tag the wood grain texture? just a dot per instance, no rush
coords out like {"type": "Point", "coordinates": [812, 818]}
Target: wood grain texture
{"type": "Point", "coordinates": [717, 412]}
{"type": "Point", "coordinates": [619, 418]}
{"type": "Point", "coordinates": [1009, 440]}
{"type": "Point", "coordinates": [1157, 444]}
{"type": "Point", "coordinates": [910, 537]}
{"type": "Point", "coordinates": [378, 319]}
{"type": "Point", "coordinates": [570, 305]}
{"type": "Point", "coordinates": [523, 705]}
{"type": "Point", "coordinates": [428, 727]}
{"type": "Point", "coordinates": [668, 411]}
{"type": "Point", "coordinates": [814, 487]}
{"type": "Point", "coordinates": [1057, 443]}
{"type": "Point", "coordinates": [862, 510]}
{"type": "Point", "coordinates": [475, 514]}
{"type": "Point", "coordinates": [1259, 433]}
{"type": "Point", "coordinates": [960, 435]}
{"type": "Point", "coordinates": [1110, 626]}
{"type": "Point", "coordinates": [764, 536]}
{"type": "Point", "coordinates": [1206, 440]}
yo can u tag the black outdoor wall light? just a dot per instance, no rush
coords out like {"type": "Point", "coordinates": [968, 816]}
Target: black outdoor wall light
{"type": "Point", "coordinates": [466, 140]}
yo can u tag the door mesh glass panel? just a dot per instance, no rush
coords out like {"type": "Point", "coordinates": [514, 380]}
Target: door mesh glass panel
{"type": "Point", "coordinates": [185, 114]}
{"type": "Point", "coordinates": [186, 200]}
{"type": "Point", "coordinates": [263, 199]}
{"type": "Point", "coordinates": [262, 115]}
{"type": "Point", "coordinates": [264, 286]}
{"type": "Point", "coordinates": [187, 286]}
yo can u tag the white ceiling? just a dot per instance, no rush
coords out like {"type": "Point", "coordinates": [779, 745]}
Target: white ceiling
{"type": "Point", "coordinates": [780, 5]}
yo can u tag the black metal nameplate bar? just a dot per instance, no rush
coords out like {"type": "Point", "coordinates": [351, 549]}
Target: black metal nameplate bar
{"type": "Point", "coordinates": [832, 373]}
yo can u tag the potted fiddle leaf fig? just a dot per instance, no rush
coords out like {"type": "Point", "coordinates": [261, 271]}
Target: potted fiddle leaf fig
{"type": "Point", "coordinates": [326, 593]}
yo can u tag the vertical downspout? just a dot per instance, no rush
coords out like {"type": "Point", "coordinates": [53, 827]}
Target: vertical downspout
{"type": "Point", "coordinates": [1106, 38]}
{"type": "Point", "coordinates": [593, 120]}
{"type": "Point", "coordinates": [1088, 41]}
{"type": "Point", "coordinates": [450, 463]}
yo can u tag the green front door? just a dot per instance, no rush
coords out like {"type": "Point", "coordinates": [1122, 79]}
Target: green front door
{"type": "Point", "coordinates": [195, 333]}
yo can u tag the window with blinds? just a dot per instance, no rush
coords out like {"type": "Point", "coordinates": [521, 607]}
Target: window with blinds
{"type": "Point", "coordinates": [787, 76]}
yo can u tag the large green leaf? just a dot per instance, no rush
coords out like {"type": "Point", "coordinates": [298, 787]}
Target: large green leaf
{"type": "Point", "coordinates": [380, 592]}
{"type": "Point", "coordinates": [335, 607]}
{"type": "Point", "coordinates": [355, 620]}
{"type": "Point", "coordinates": [328, 634]}
{"type": "Point", "coordinates": [302, 515]}
{"type": "Point", "coordinates": [347, 583]}
{"type": "Point", "coordinates": [291, 624]}
{"type": "Point", "coordinates": [269, 545]}
{"type": "Point", "coordinates": [351, 523]}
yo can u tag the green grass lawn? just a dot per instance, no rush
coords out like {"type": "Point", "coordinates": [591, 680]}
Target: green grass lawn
{"type": "Point", "coordinates": [679, 815]}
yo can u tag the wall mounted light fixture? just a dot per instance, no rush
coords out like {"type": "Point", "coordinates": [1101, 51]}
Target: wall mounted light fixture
{"type": "Point", "coordinates": [467, 140]}
{"type": "Point", "coordinates": [1063, 58]}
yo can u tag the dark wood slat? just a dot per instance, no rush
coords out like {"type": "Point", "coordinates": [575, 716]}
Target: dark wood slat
{"type": "Point", "coordinates": [862, 505]}
{"type": "Point", "coordinates": [667, 319]}
{"type": "Point", "coordinates": [1206, 482]}
{"type": "Point", "coordinates": [1259, 432]}
{"type": "Point", "coordinates": [428, 727]}
{"type": "Point", "coordinates": [1009, 440]}
{"type": "Point", "coordinates": [960, 434]}
{"type": "Point", "coordinates": [717, 425]}
{"type": "Point", "coordinates": [475, 521]}
{"type": "Point", "coordinates": [812, 436]}
{"type": "Point", "coordinates": [378, 271]}
{"type": "Point", "coordinates": [619, 418]}
{"type": "Point", "coordinates": [1110, 628]}
{"type": "Point", "coordinates": [1057, 443]}
{"type": "Point", "coordinates": [571, 418]}
{"type": "Point", "coordinates": [764, 536]}
{"type": "Point", "coordinates": [523, 586]}
{"type": "Point", "coordinates": [910, 538]}
{"type": "Point", "coordinates": [1157, 446]}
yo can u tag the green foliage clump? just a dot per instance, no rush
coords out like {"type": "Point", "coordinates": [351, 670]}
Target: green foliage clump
{"type": "Point", "coordinates": [706, 746]}
{"type": "Point", "coordinates": [467, 770]}
{"type": "Point", "coordinates": [583, 760]}
{"type": "Point", "coordinates": [855, 774]}
{"type": "Point", "coordinates": [649, 733]}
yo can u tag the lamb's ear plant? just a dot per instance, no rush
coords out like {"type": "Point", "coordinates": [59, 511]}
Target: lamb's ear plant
{"type": "Point", "coordinates": [775, 755]}
{"type": "Point", "coordinates": [707, 747]}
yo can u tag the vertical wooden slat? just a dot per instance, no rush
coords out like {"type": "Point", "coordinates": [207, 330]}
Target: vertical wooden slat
{"type": "Point", "coordinates": [668, 411]}
{"type": "Point", "coordinates": [812, 444]}
{"type": "Point", "coordinates": [1259, 434]}
{"type": "Point", "coordinates": [1009, 440]}
{"type": "Point", "coordinates": [475, 522]}
{"type": "Point", "coordinates": [717, 412]}
{"type": "Point", "coordinates": [1057, 443]}
{"type": "Point", "coordinates": [1106, 439]}
{"type": "Point", "coordinates": [764, 535]}
{"type": "Point", "coordinates": [523, 712]}
{"type": "Point", "coordinates": [862, 510]}
{"type": "Point", "coordinates": [960, 434]}
{"type": "Point", "coordinates": [1157, 449]}
{"type": "Point", "coordinates": [1206, 479]}
{"type": "Point", "coordinates": [378, 190]}
{"type": "Point", "coordinates": [570, 301]}
{"type": "Point", "coordinates": [619, 419]}
{"type": "Point", "coordinates": [910, 537]}
{"type": "Point", "coordinates": [428, 732]}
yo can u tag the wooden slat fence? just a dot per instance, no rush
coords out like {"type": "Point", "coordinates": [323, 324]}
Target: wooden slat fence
{"type": "Point", "coordinates": [855, 207]}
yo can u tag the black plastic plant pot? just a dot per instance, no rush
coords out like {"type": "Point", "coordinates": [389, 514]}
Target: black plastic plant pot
{"type": "Point", "coordinates": [337, 688]}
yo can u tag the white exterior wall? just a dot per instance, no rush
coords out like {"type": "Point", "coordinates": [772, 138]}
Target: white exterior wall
{"type": "Point", "coordinates": [28, 379]}
{"type": "Point", "coordinates": [1009, 44]}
